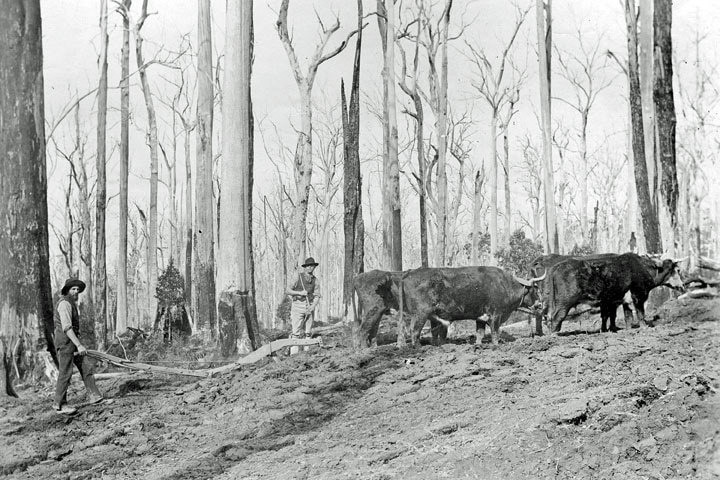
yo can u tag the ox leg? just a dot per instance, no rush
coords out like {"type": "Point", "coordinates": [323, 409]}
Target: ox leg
{"type": "Point", "coordinates": [495, 322]}
{"type": "Point", "coordinates": [480, 325]}
{"type": "Point", "coordinates": [640, 310]}
{"type": "Point", "coordinates": [557, 317]}
{"type": "Point", "coordinates": [538, 316]}
{"type": "Point", "coordinates": [438, 329]}
{"type": "Point", "coordinates": [629, 317]}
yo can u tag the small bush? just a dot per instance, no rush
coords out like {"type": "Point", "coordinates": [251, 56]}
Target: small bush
{"type": "Point", "coordinates": [521, 252]}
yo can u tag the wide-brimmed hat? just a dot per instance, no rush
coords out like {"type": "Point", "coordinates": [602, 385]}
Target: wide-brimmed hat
{"type": "Point", "coordinates": [72, 282]}
{"type": "Point", "coordinates": [309, 261]}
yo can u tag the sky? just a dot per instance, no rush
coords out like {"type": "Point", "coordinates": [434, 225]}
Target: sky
{"type": "Point", "coordinates": [71, 40]}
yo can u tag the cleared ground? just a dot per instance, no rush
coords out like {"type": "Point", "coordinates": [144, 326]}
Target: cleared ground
{"type": "Point", "coordinates": [638, 404]}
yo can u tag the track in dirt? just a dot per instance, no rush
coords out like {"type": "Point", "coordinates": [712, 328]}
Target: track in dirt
{"type": "Point", "coordinates": [637, 404]}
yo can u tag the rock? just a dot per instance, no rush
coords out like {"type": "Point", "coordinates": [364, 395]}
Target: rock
{"type": "Point", "coordinates": [59, 453]}
{"type": "Point", "coordinates": [193, 398]}
{"type": "Point", "coordinates": [661, 382]}
{"type": "Point", "coordinates": [573, 411]}
{"type": "Point", "coordinates": [646, 444]}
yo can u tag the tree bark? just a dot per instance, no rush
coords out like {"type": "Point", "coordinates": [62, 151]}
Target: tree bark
{"type": "Point", "coordinates": [353, 226]}
{"type": "Point", "coordinates": [236, 270]}
{"type": "Point", "coordinates": [100, 277]}
{"type": "Point", "coordinates": [204, 250]}
{"type": "Point", "coordinates": [122, 314]}
{"type": "Point", "coordinates": [544, 32]}
{"type": "Point", "coordinates": [442, 187]}
{"type": "Point", "coordinates": [392, 227]}
{"type": "Point", "coordinates": [666, 122]}
{"type": "Point", "coordinates": [647, 212]}
{"type": "Point", "coordinates": [26, 323]}
{"type": "Point", "coordinates": [152, 271]}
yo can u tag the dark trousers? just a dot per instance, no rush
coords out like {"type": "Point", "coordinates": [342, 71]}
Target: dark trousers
{"type": "Point", "coordinates": [66, 358]}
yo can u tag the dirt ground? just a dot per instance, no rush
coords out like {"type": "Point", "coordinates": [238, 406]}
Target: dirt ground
{"type": "Point", "coordinates": [637, 404]}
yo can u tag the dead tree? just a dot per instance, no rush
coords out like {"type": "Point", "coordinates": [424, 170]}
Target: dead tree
{"type": "Point", "coordinates": [303, 164]}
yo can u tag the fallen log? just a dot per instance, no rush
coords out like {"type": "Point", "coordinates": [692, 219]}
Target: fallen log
{"type": "Point", "coordinates": [710, 292]}
{"type": "Point", "coordinates": [253, 357]}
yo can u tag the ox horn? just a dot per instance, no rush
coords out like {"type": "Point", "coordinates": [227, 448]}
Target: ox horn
{"type": "Point", "coordinates": [531, 282]}
{"type": "Point", "coordinates": [680, 260]}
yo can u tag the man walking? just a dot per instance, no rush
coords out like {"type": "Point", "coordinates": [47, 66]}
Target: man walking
{"type": "Point", "coordinates": [67, 343]}
{"type": "Point", "coordinates": [305, 296]}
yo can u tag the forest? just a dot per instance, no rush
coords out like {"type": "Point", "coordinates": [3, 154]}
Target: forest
{"type": "Point", "coordinates": [183, 158]}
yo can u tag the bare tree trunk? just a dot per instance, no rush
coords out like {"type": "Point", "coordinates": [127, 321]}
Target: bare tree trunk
{"type": "Point", "coordinates": [650, 222]}
{"type": "Point", "coordinates": [153, 144]}
{"type": "Point", "coordinates": [26, 323]}
{"type": "Point", "coordinates": [122, 313]}
{"type": "Point", "coordinates": [544, 32]}
{"type": "Point", "coordinates": [477, 217]}
{"type": "Point", "coordinates": [666, 122]}
{"type": "Point", "coordinates": [492, 186]}
{"type": "Point", "coordinates": [419, 115]}
{"type": "Point", "coordinates": [87, 321]}
{"type": "Point", "coordinates": [100, 278]}
{"type": "Point", "coordinates": [392, 228]}
{"type": "Point", "coordinates": [442, 139]}
{"type": "Point", "coordinates": [353, 226]}
{"type": "Point", "coordinates": [188, 223]}
{"type": "Point", "coordinates": [303, 150]}
{"type": "Point", "coordinates": [508, 202]}
{"type": "Point", "coordinates": [236, 270]}
{"type": "Point", "coordinates": [204, 250]}
{"type": "Point", "coordinates": [645, 71]}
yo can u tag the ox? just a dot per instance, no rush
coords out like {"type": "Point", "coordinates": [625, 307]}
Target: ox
{"type": "Point", "coordinates": [377, 294]}
{"type": "Point", "coordinates": [443, 295]}
{"type": "Point", "coordinates": [543, 263]}
{"type": "Point", "coordinates": [605, 283]}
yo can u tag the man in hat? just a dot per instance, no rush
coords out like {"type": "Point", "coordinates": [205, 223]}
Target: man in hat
{"type": "Point", "coordinates": [67, 343]}
{"type": "Point", "coordinates": [304, 293]}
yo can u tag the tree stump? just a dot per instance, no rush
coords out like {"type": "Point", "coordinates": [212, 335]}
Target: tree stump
{"type": "Point", "coordinates": [238, 329]}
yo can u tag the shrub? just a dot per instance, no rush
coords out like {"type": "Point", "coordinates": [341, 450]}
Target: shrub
{"type": "Point", "coordinates": [521, 252]}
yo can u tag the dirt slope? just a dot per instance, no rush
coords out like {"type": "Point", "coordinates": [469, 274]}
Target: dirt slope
{"type": "Point", "coordinates": [639, 404]}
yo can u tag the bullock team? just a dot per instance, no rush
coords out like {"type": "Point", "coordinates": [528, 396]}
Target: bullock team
{"type": "Point", "coordinates": [489, 295]}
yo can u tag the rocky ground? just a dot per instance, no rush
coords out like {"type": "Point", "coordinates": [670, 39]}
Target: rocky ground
{"type": "Point", "coordinates": [638, 404]}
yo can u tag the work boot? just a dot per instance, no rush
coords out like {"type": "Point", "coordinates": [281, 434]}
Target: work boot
{"type": "Point", "coordinates": [65, 409]}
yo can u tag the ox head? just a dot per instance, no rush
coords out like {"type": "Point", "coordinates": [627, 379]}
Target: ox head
{"type": "Point", "coordinates": [666, 272]}
{"type": "Point", "coordinates": [531, 293]}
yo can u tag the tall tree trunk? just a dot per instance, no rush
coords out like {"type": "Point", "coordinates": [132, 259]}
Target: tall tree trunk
{"type": "Point", "coordinates": [26, 323]}
{"type": "Point", "coordinates": [544, 32]}
{"type": "Point", "coordinates": [392, 227]}
{"type": "Point", "coordinates": [188, 221]}
{"type": "Point", "coordinates": [100, 278]}
{"type": "Point", "coordinates": [666, 122]}
{"type": "Point", "coordinates": [204, 251]}
{"type": "Point", "coordinates": [477, 217]}
{"type": "Point", "coordinates": [87, 321]}
{"type": "Point", "coordinates": [645, 71]}
{"type": "Point", "coordinates": [647, 212]}
{"type": "Point", "coordinates": [237, 324]}
{"type": "Point", "coordinates": [153, 144]}
{"type": "Point", "coordinates": [492, 186]}
{"type": "Point", "coordinates": [442, 187]}
{"type": "Point", "coordinates": [508, 203]}
{"type": "Point", "coordinates": [584, 197]}
{"type": "Point", "coordinates": [122, 313]}
{"type": "Point", "coordinates": [353, 226]}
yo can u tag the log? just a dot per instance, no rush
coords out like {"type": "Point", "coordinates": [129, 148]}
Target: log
{"type": "Point", "coordinates": [253, 357]}
{"type": "Point", "coordinates": [710, 292]}
{"type": "Point", "coordinates": [709, 264]}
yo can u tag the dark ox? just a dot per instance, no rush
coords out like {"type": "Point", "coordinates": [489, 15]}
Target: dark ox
{"type": "Point", "coordinates": [606, 283]}
{"type": "Point", "coordinates": [543, 263]}
{"type": "Point", "coordinates": [377, 294]}
{"type": "Point", "coordinates": [443, 295]}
